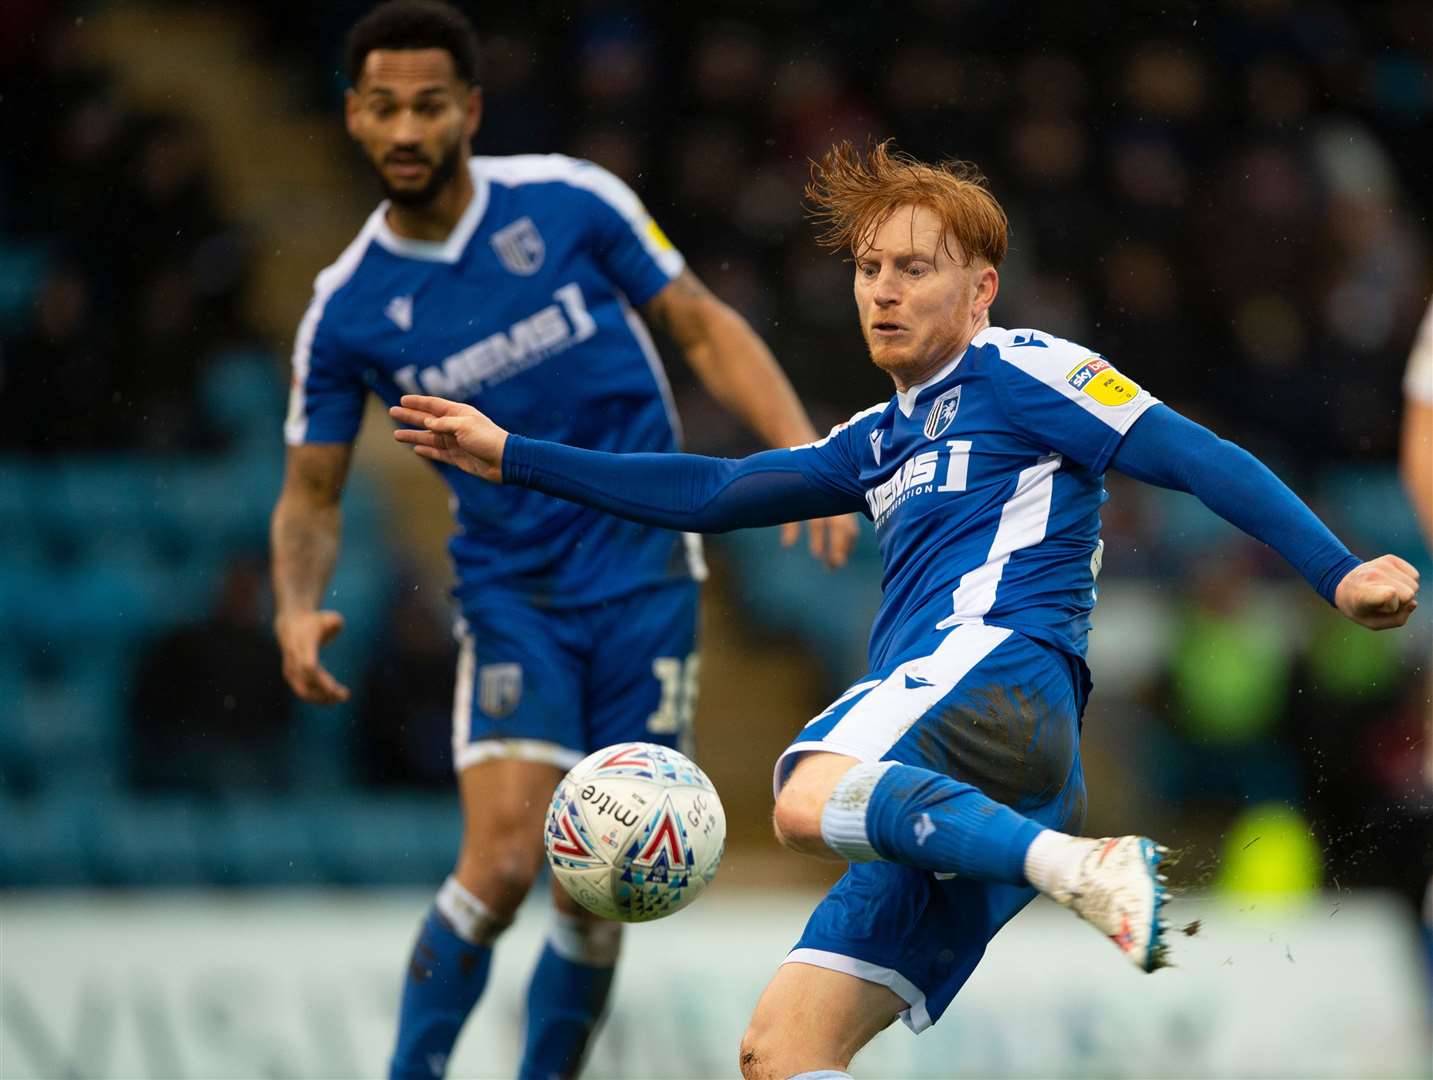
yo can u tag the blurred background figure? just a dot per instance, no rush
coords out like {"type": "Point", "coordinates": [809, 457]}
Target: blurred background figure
{"type": "Point", "coordinates": [209, 711]}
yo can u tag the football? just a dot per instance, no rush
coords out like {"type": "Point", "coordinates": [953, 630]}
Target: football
{"type": "Point", "coordinates": [635, 832]}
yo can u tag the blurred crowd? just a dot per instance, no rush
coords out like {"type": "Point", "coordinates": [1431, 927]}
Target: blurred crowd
{"type": "Point", "coordinates": [1227, 200]}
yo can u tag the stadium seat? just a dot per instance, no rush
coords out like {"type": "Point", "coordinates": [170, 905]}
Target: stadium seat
{"type": "Point", "coordinates": [387, 840]}
{"type": "Point", "coordinates": [152, 841]}
{"type": "Point", "coordinates": [264, 841]}
{"type": "Point", "coordinates": [22, 269]}
{"type": "Point", "coordinates": [47, 840]}
{"type": "Point", "coordinates": [787, 590]}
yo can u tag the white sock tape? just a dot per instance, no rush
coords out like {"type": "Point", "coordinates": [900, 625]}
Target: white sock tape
{"type": "Point", "coordinates": [469, 917]}
{"type": "Point", "coordinates": [843, 819]}
{"type": "Point", "coordinates": [585, 941]}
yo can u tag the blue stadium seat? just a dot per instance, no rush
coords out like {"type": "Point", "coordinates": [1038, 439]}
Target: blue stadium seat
{"type": "Point", "coordinates": [388, 840]}
{"type": "Point", "coordinates": [22, 269]}
{"type": "Point", "coordinates": [786, 590]}
{"type": "Point", "coordinates": [152, 841]}
{"type": "Point", "coordinates": [1370, 511]}
{"type": "Point", "coordinates": [264, 841]}
{"type": "Point", "coordinates": [242, 394]}
{"type": "Point", "coordinates": [46, 841]}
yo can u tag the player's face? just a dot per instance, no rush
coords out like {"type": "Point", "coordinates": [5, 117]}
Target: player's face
{"type": "Point", "coordinates": [918, 304]}
{"type": "Point", "coordinates": [414, 118]}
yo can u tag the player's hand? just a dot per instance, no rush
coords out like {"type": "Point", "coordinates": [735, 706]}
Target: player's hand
{"type": "Point", "coordinates": [452, 433]}
{"type": "Point", "coordinates": [831, 538]}
{"type": "Point", "coordinates": [1379, 594]}
{"type": "Point", "coordinates": [300, 635]}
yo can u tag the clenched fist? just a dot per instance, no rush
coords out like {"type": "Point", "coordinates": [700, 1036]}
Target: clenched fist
{"type": "Point", "coordinates": [1379, 594]}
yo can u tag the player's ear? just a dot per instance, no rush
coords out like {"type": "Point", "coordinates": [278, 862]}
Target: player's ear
{"type": "Point", "coordinates": [351, 107]}
{"type": "Point", "coordinates": [473, 111]}
{"type": "Point", "coordinates": [986, 288]}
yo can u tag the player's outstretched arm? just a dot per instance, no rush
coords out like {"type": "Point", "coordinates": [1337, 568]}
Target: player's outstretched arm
{"type": "Point", "coordinates": [1167, 449]}
{"type": "Point", "coordinates": [303, 538]}
{"type": "Point", "coordinates": [673, 491]}
{"type": "Point", "coordinates": [738, 370]}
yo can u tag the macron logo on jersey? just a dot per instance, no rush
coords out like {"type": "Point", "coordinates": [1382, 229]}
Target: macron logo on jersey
{"type": "Point", "coordinates": [400, 310]}
{"type": "Point", "coordinates": [510, 352]}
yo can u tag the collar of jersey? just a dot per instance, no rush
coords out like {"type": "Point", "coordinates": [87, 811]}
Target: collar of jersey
{"type": "Point", "coordinates": [906, 399]}
{"type": "Point", "coordinates": [445, 251]}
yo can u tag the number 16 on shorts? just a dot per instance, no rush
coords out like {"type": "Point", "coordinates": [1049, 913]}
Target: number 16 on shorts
{"type": "Point", "coordinates": [679, 680]}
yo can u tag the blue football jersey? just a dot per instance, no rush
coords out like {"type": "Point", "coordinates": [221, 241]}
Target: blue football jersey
{"type": "Point", "coordinates": [985, 484]}
{"type": "Point", "coordinates": [527, 312]}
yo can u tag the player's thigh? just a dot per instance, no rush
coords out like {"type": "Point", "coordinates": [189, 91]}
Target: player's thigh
{"type": "Point", "coordinates": [518, 690]}
{"type": "Point", "coordinates": [984, 705]}
{"type": "Point", "coordinates": [644, 668]}
{"type": "Point", "coordinates": [813, 1018]}
{"type": "Point", "coordinates": [504, 804]}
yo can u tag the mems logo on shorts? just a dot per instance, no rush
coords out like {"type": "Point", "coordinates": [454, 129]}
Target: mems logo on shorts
{"type": "Point", "coordinates": [1098, 378]}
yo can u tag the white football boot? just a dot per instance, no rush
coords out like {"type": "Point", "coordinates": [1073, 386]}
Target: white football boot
{"type": "Point", "coordinates": [1120, 891]}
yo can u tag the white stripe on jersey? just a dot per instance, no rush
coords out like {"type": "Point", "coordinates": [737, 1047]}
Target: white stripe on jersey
{"type": "Point", "coordinates": [696, 556]}
{"type": "Point", "coordinates": [1052, 360]}
{"type": "Point", "coordinates": [542, 168]}
{"type": "Point", "coordinates": [328, 282]}
{"type": "Point", "coordinates": [1023, 520]}
{"type": "Point", "coordinates": [842, 426]}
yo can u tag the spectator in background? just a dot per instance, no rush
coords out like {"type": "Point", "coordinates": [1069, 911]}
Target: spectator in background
{"type": "Point", "coordinates": [210, 711]}
{"type": "Point", "coordinates": [405, 718]}
{"type": "Point", "coordinates": [1229, 679]}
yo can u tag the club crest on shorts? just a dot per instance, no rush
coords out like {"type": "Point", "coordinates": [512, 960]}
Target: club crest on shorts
{"type": "Point", "coordinates": [519, 246]}
{"type": "Point", "coordinates": [942, 413]}
{"type": "Point", "coordinates": [499, 688]}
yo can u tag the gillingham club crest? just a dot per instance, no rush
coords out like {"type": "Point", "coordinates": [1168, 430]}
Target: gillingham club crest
{"type": "Point", "coordinates": [942, 413]}
{"type": "Point", "coordinates": [520, 247]}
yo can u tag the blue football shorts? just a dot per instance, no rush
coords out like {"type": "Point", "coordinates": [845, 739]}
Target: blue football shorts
{"type": "Point", "coordinates": [988, 706]}
{"type": "Point", "coordinates": [553, 685]}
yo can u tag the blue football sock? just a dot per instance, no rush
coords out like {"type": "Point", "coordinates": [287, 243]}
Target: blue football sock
{"type": "Point", "coordinates": [445, 978]}
{"type": "Point", "coordinates": [920, 818]}
{"type": "Point", "coordinates": [568, 996]}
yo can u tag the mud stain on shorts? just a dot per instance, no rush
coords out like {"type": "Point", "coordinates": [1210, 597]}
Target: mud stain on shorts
{"type": "Point", "coordinates": [1006, 740]}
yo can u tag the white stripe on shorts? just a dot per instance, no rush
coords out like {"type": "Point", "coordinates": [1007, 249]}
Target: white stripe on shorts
{"type": "Point", "coordinates": [463, 690]}
{"type": "Point", "coordinates": [916, 1018]}
{"type": "Point", "coordinates": [877, 722]}
{"type": "Point", "coordinates": [467, 753]}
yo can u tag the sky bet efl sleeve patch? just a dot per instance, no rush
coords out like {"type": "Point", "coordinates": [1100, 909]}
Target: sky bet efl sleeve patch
{"type": "Point", "coordinates": [1098, 378]}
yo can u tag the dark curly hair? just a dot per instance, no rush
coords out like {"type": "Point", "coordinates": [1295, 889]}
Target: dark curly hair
{"type": "Point", "coordinates": [415, 24]}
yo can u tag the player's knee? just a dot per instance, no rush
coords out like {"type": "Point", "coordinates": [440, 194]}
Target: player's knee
{"type": "Point", "coordinates": [802, 801]}
{"type": "Point", "coordinates": [754, 1055]}
{"type": "Point", "coordinates": [500, 874]}
{"type": "Point", "coordinates": [797, 823]}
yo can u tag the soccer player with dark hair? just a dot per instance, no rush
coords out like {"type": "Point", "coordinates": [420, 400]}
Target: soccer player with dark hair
{"type": "Point", "coordinates": [524, 284]}
{"type": "Point", "coordinates": [949, 777]}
